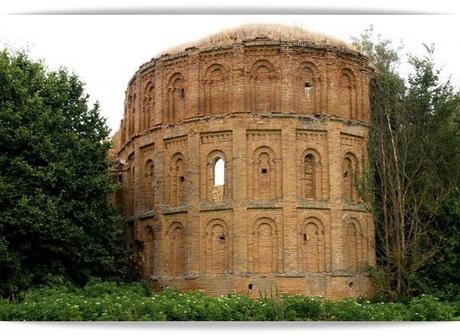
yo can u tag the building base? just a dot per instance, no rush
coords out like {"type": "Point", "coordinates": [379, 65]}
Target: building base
{"type": "Point", "coordinates": [327, 285]}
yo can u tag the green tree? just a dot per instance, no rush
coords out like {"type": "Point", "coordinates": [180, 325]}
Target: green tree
{"type": "Point", "coordinates": [55, 214]}
{"type": "Point", "coordinates": [434, 110]}
{"type": "Point", "coordinates": [413, 176]}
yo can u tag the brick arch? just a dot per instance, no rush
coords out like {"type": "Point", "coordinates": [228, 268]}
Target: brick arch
{"type": "Point", "coordinates": [147, 185]}
{"type": "Point", "coordinates": [352, 244]}
{"type": "Point", "coordinates": [312, 245]}
{"type": "Point", "coordinates": [177, 179]}
{"type": "Point", "coordinates": [131, 114]}
{"type": "Point", "coordinates": [263, 63]}
{"type": "Point", "coordinates": [264, 87]}
{"type": "Point", "coordinates": [176, 97]}
{"type": "Point", "coordinates": [265, 246]}
{"type": "Point", "coordinates": [307, 89]}
{"type": "Point", "coordinates": [177, 248]}
{"type": "Point", "coordinates": [265, 173]}
{"type": "Point", "coordinates": [217, 193]}
{"type": "Point", "coordinates": [148, 105]}
{"type": "Point", "coordinates": [311, 177]}
{"type": "Point", "coordinates": [148, 250]}
{"type": "Point", "coordinates": [350, 172]}
{"type": "Point", "coordinates": [149, 87]}
{"type": "Point", "coordinates": [216, 90]}
{"type": "Point", "coordinates": [132, 188]}
{"type": "Point", "coordinates": [123, 125]}
{"type": "Point", "coordinates": [348, 94]}
{"type": "Point", "coordinates": [217, 247]}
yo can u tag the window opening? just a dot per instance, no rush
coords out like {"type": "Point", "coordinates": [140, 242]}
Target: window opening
{"type": "Point", "coordinates": [307, 88]}
{"type": "Point", "coordinates": [219, 172]}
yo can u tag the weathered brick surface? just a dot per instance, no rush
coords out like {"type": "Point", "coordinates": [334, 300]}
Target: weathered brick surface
{"type": "Point", "coordinates": [290, 121]}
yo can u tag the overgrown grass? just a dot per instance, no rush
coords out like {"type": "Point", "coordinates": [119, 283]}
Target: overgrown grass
{"type": "Point", "coordinates": [109, 301]}
{"type": "Point", "coordinates": [251, 31]}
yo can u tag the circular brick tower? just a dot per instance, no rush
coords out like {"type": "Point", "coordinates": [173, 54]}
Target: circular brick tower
{"type": "Point", "coordinates": [238, 159]}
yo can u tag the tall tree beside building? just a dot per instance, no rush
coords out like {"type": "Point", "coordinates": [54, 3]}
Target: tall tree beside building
{"type": "Point", "coordinates": [413, 181]}
{"type": "Point", "coordinates": [55, 215]}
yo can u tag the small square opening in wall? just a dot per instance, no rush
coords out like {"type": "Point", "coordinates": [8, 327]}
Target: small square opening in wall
{"type": "Point", "coordinates": [182, 178]}
{"type": "Point", "coordinates": [250, 286]}
{"type": "Point", "coordinates": [264, 170]}
{"type": "Point", "coordinates": [222, 237]}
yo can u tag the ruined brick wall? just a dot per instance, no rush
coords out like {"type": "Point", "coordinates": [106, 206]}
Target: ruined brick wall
{"type": "Point", "coordinates": [289, 120]}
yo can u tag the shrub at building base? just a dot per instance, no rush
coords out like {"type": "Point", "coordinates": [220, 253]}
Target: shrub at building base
{"type": "Point", "coordinates": [108, 301]}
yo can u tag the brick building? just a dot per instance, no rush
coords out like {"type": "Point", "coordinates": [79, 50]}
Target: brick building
{"type": "Point", "coordinates": [238, 158]}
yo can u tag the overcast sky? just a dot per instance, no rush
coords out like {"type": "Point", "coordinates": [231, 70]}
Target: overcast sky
{"type": "Point", "coordinates": [105, 51]}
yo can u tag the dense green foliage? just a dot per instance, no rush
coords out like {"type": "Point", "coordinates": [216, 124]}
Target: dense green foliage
{"type": "Point", "coordinates": [55, 218]}
{"type": "Point", "coordinates": [413, 187]}
{"type": "Point", "coordinates": [434, 107]}
{"type": "Point", "coordinates": [109, 301]}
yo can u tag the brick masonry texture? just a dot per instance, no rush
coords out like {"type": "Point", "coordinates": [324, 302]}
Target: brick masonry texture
{"type": "Point", "coordinates": [290, 122]}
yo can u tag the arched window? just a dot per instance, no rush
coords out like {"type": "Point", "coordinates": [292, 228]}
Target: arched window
{"type": "Point", "coordinates": [350, 171]}
{"type": "Point", "coordinates": [148, 106]}
{"type": "Point", "coordinates": [180, 181]}
{"type": "Point", "coordinates": [219, 172]}
{"type": "Point", "coordinates": [348, 175]}
{"type": "Point", "coordinates": [352, 246]}
{"type": "Point", "coordinates": [148, 185]}
{"type": "Point", "coordinates": [177, 251]}
{"type": "Point", "coordinates": [148, 251]}
{"type": "Point", "coordinates": [177, 180]}
{"type": "Point", "coordinates": [265, 248]}
{"type": "Point", "coordinates": [265, 182]}
{"type": "Point", "coordinates": [347, 94]}
{"type": "Point", "coordinates": [217, 243]}
{"type": "Point", "coordinates": [215, 90]}
{"type": "Point", "coordinates": [176, 98]}
{"type": "Point", "coordinates": [264, 90]}
{"type": "Point", "coordinates": [265, 245]}
{"type": "Point", "coordinates": [308, 89]}
{"type": "Point", "coordinates": [216, 184]}
{"type": "Point", "coordinates": [132, 199]}
{"type": "Point", "coordinates": [131, 114]}
{"type": "Point", "coordinates": [312, 246]}
{"type": "Point", "coordinates": [265, 176]}
{"type": "Point", "coordinates": [310, 175]}
{"type": "Point", "coordinates": [123, 129]}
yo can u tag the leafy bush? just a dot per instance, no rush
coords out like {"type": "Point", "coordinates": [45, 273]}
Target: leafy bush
{"type": "Point", "coordinates": [429, 308]}
{"type": "Point", "coordinates": [302, 308]}
{"type": "Point", "coordinates": [111, 301]}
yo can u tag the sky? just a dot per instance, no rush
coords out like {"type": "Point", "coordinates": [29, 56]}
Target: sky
{"type": "Point", "coordinates": [106, 50]}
